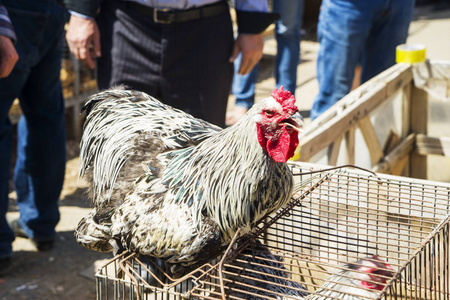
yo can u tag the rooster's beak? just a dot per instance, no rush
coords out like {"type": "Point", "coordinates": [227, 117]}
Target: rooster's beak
{"type": "Point", "coordinates": [295, 122]}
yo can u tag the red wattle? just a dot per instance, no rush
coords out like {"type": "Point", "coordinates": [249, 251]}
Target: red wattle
{"type": "Point", "coordinates": [284, 147]}
{"type": "Point", "coordinates": [261, 138]}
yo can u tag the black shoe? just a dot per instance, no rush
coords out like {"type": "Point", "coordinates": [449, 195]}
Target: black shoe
{"type": "Point", "coordinates": [41, 245]}
{"type": "Point", "coordinates": [5, 265]}
{"type": "Point", "coordinates": [44, 245]}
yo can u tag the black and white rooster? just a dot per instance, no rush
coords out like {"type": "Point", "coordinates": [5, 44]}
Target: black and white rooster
{"type": "Point", "coordinates": [170, 186]}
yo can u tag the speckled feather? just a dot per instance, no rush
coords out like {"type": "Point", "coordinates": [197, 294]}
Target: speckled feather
{"type": "Point", "coordinates": [166, 184]}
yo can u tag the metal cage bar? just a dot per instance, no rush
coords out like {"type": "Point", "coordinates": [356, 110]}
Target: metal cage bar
{"type": "Point", "coordinates": [335, 218]}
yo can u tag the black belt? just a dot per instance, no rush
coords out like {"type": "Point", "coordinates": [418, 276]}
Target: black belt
{"type": "Point", "coordinates": [166, 16]}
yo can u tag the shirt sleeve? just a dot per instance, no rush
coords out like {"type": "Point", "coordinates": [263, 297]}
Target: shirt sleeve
{"type": "Point", "coordinates": [251, 5]}
{"type": "Point", "coordinates": [252, 16]}
{"type": "Point", "coordinates": [87, 8]}
{"type": "Point", "coordinates": [6, 27]}
{"type": "Point", "coordinates": [74, 13]}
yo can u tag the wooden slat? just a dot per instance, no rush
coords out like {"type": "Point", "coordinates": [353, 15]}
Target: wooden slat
{"type": "Point", "coordinates": [350, 109]}
{"type": "Point", "coordinates": [419, 125]}
{"type": "Point", "coordinates": [396, 156]}
{"type": "Point", "coordinates": [325, 134]}
{"type": "Point", "coordinates": [432, 145]}
{"type": "Point", "coordinates": [406, 110]}
{"type": "Point", "coordinates": [398, 169]}
{"type": "Point", "coordinates": [370, 136]}
{"type": "Point", "coordinates": [392, 141]}
{"type": "Point", "coordinates": [334, 151]}
{"type": "Point", "coordinates": [399, 80]}
{"type": "Point", "coordinates": [350, 145]}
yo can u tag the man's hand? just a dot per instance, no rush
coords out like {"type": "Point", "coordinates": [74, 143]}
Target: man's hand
{"type": "Point", "coordinates": [8, 56]}
{"type": "Point", "coordinates": [83, 38]}
{"type": "Point", "coordinates": [251, 46]}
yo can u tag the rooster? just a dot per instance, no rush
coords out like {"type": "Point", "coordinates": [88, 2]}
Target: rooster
{"type": "Point", "coordinates": [167, 185]}
{"type": "Point", "coordinates": [259, 274]}
{"type": "Point", "coordinates": [361, 280]}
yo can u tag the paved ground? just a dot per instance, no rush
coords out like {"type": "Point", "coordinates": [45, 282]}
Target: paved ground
{"type": "Point", "coordinates": [67, 271]}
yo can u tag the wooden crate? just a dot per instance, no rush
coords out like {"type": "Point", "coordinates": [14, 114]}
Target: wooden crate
{"type": "Point", "coordinates": [396, 123]}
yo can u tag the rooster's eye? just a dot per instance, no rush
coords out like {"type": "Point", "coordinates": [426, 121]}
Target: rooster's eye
{"type": "Point", "coordinates": [269, 113]}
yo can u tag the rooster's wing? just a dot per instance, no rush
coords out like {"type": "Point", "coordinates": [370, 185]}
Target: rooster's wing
{"type": "Point", "coordinates": [124, 133]}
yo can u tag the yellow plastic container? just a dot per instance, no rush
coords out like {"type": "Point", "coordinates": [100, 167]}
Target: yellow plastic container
{"type": "Point", "coordinates": [410, 54]}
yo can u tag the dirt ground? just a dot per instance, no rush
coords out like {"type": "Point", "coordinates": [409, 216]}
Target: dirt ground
{"type": "Point", "coordinates": [65, 272]}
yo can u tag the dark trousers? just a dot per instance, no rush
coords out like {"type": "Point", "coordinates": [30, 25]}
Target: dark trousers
{"type": "Point", "coordinates": [185, 65]}
{"type": "Point", "coordinates": [41, 139]}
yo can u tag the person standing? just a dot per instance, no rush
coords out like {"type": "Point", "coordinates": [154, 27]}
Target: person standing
{"type": "Point", "coordinates": [352, 32]}
{"type": "Point", "coordinates": [288, 36]}
{"type": "Point", "coordinates": [178, 51]}
{"type": "Point", "coordinates": [38, 27]}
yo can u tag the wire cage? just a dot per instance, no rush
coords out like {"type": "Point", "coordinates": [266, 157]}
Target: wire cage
{"type": "Point", "coordinates": [335, 218]}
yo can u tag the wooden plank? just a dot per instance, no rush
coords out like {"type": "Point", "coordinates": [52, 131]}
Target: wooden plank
{"type": "Point", "coordinates": [350, 145]}
{"type": "Point", "coordinates": [312, 142]}
{"type": "Point", "coordinates": [396, 156]}
{"type": "Point", "coordinates": [398, 169]}
{"type": "Point", "coordinates": [370, 136]}
{"type": "Point", "coordinates": [391, 142]}
{"type": "Point", "coordinates": [419, 125]}
{"type": "Point", "coordinates": [333, 152]}
{"type": "Point", "coordinates": [350, 109]}
{"type": "Point", "coordinates": [433, 145]}
{"type": "Point", "coordinates": [399, 80]}
{"type": "Point", "coordinates": [406, 110]}
{"type": "Point", "coordinates": [74, 130]}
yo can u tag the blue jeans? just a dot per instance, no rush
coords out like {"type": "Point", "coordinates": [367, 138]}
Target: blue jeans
{"type": "Point", "coordinates": [353, 32]}
{"type": "Point", "coordinates": [40, 163]}
{"type": "Point", "coordinates": [288, 35]}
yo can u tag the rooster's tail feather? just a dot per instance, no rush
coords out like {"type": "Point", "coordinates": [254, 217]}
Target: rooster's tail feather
{"type": "Point", "coordinates": [92, 235]}
{"type": "Point", "coordinates": [115, 93]}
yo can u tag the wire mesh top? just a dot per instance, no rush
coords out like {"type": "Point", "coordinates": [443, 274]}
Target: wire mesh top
{"type": "Point", "coordinates": [338, 224]}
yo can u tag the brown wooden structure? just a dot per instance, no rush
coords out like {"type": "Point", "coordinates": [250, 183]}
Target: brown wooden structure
{"type": "Point", "coordinates": [391, 124]}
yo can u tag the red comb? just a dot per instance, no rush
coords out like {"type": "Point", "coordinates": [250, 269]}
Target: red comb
{"type": "Point", "coordinates": [284, 97]}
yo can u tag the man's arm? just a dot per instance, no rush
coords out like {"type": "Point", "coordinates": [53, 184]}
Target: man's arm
{"type": "Point", "coordinates": [83, 39]}
{"type": "Point", "coordinates": [83, 36]}
{"type": "Point", "coordinates": [87, 8]}
{"type": "Point", "coordinates": [8, 54]}
{"type": "Point", "coordinates": [251, 46]}
{"type": "Point", "coordinates": [252, 19]}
